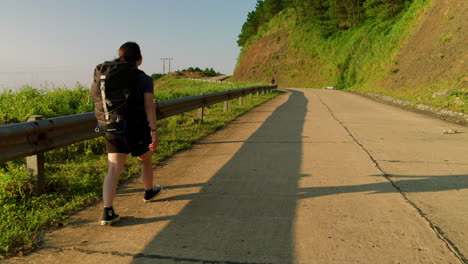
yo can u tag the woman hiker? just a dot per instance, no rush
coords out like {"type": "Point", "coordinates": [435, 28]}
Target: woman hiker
{"type": "Point", "coordinates": [140, 139]}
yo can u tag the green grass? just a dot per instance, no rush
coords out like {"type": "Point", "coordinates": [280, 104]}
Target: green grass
{"type": "Point", "coordinates": [446, 37]}
{"type": "Point", "coordinates": [422, 94]}
{"type": "Point", "coordinates": [74, 174]}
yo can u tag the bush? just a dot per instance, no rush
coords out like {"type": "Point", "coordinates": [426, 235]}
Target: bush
{"type": "Point", "coordinates": [17, 106]}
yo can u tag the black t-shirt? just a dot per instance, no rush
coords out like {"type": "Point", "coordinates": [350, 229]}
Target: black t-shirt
{"type": "Point", "coordinates": [144, 82]}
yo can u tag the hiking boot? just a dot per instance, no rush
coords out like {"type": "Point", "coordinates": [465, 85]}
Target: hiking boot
{"type": "Point", "coordinates": [153, 193]}
{"type": "Point", "coordinates": [109, 216]}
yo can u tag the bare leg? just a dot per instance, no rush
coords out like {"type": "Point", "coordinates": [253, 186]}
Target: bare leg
{"type": "Point", "coordinates": [147, 169]}
{"type": "Point", "coordinates": [116, 163]}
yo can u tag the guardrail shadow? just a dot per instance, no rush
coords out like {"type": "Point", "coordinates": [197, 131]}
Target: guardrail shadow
{"type": "Point", "coordinates": [406, 183]}
{"type": "Point", "coordinates": [245, 212]}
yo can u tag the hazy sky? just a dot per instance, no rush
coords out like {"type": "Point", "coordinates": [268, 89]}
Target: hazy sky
{"type": "Point", "coordinates": [61, 41]}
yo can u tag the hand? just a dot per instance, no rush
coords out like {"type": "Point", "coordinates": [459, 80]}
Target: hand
{"type": "Point", "coordinates": [154, 141]}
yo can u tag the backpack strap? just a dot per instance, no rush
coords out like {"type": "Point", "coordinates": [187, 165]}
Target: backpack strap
{"type": "Point", "coordinates": [103, 95]}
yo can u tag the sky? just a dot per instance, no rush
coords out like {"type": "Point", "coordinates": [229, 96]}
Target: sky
{"type": "Point", "coordinates": [57, 43]}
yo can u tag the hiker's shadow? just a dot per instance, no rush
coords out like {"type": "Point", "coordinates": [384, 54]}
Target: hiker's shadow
{"type": "Point", "coordinates": [245, 212]}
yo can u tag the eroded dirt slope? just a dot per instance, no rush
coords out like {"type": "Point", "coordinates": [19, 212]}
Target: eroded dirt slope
{"type": "Point", "coordinates": [437, 51]}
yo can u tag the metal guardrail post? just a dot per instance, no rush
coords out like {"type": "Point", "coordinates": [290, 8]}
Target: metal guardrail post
{"type": "Point", "coordinates": [200, 113]}
{"type": "Point", "coordinates": [251, 97]}
{"type": "Point", "coordinates": [35, 165]}
{"type": "Point", "coordinates": [241, 100]}
{"type": "Point", "coordinates": [226, 106]}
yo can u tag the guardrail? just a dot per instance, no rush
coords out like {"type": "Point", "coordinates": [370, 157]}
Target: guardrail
{"type": "Point", "coordinates": [38, 136]}
{"type": "Point", "coordinates": [207, 80]}
{"type": "Point", "coordinates": [29, 138]}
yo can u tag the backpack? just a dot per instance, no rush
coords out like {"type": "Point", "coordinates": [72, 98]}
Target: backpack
{"type": "Point", "coordinates": [113, 91]}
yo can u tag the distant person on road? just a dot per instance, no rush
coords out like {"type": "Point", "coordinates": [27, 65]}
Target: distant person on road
{"type": "Point", "coordinates": [272, 82]}
{"type": "Point", "coordinates": [140, 139]}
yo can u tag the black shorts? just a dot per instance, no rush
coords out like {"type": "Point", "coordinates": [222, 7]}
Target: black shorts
{"type": "Point", "coordinates": [135, 141]}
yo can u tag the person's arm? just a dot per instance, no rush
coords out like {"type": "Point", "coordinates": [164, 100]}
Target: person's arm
{"type": "Point", "coordinates": [151, 116]}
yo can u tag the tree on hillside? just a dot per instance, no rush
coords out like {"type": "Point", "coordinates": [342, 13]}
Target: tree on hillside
{"type": "Point", "coordinates": [264, 11]}
{"type": "Point", "coordinates": [202, 73]}
{"type": "Point", "coordinates": [249, 28]}
{"type": "Point", "coordinates": [329, 15]}
{"type": "Point", "coordinates": [274, 6]}
{"type": "Point", "coordinates": [347, 13]}
{"type": "Point", "coordinates": [304, 8]}
{"type": "Point", "coordinates": [385, 9]}
{"type": "Point", "coordinates": [210, 72]}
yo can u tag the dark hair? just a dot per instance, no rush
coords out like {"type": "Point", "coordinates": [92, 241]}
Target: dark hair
{"type": "Point", "coordinates": [129, 52]}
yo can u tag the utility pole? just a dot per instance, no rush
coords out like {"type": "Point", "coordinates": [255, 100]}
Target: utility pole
{"type": "Point", "coordinates": [164, 64]}
{"type": "Point", "coordinates": [170, 64]}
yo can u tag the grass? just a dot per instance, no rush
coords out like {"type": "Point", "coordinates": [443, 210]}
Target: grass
{"type": "Point", "coordinates": [446, 37]}
{"type": "Point", "coordinates": [422, 94]}
{"type": "Point", "coordinates": [74, 174]}
{"type": "Point", "coordinates": [18, 105]}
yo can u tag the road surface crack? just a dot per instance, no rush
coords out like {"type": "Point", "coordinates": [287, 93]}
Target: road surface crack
{"type": "Point", "coordinates": [425, 162]}
{"type": "Point", "coordinates": [440, 234]}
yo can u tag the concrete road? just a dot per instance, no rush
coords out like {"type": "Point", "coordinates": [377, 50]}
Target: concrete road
{"type": "Point", "coordinates": [313, 176]}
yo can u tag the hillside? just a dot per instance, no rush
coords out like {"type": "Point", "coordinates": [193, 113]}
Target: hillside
{"type": "Point", "coordinates": [412, 55]}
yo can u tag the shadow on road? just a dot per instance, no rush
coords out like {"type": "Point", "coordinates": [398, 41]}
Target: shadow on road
{"type": "Point", "coordinates": [245, 213]}
{"type": "Point", "coordinates": [406, 183]}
